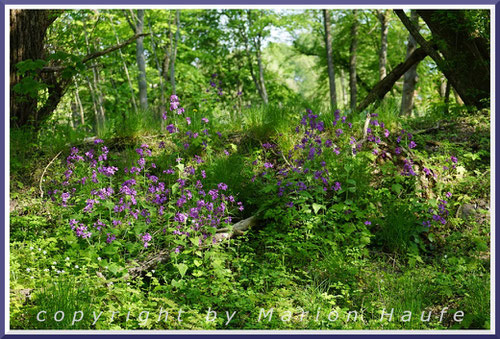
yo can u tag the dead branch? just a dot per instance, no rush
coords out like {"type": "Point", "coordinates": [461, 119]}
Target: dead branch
{"type": "Point", "coordinates": [97, 54]}
{"type": "Point", "coordinates": [157, 258]}
{"type": "Point", "coordinates": [43, 173]}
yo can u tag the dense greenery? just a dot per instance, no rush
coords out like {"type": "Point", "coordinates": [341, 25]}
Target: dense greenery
{"type": "Point", "coordinates": [129, 210]}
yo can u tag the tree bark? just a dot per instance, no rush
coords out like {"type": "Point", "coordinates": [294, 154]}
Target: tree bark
{"type": "Point", "coordinates": [93, 96]}
{"type": "Point", "coordinates": [457, 97]}
{"type": "Point", "coordinates": [382, 87]}
{"type": "Point", "coordinates": [342, 88]}
{"type": "Point", "coordinates": [79, 102]}
{"type": "Point", "coordinates": [410, 77]}
{"type": "Point", "coordinates": [383, 17]}
{"type": "Point", "coordinates": [141, 62]}
{"type": "Point", "coordinates": [174, 50]}
{"type": "Point", "coordinates": [329, 57]}
{"type": "Point", "coordinates": [352, 60]}
{"type": "Point", "coordinates": [447, 98]}
{"type": "Point", "coordinates": [158, 68]}
{"type": "Point", "coordinates": [125, 69]}
{"type": "Point", "coordinates": [168, 49]}
{"type": "Point", "coordinates": [466, 60]}
{"type": "Point", "coordinates": [27, 34]}
{"type": "Point", "coordinates": [100, 114]}
{"type": "Point", "coordinates": [261, 72]}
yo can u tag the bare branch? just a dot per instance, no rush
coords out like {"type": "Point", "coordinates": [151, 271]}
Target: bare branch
{"type": "Point", "coordinates": [97, 54]}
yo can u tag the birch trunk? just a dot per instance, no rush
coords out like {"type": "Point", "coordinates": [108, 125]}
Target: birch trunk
{"type": "Point", "coordinates": [329, 56]}
{"type": "Point", "coordinates": [141, 62]}
{"type": "Point", "coordinates": [383, 17]}
{"type": "Point", "coordinates": [158, 67]}
{"type": "Point", "coordinates": [79, 102]}
{"type": "Point", "coordinates": [174, 51]}
{"type": "Point", "coordinates": [125, 69]}
{"type": "Point", "coordinates": [352, 60]}
{"type": "Point", "coordinates": [261, 73]}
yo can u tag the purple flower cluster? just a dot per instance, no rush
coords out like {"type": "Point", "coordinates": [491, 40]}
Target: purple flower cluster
{"type": "Point", "coordinates": [155, 198]}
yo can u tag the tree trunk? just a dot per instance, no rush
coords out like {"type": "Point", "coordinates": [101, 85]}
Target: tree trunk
{"type": "Point", "coordinates": [457, 97]}
{"type": "Point", "coordinates": [261, 72]}
{"type": "Point", "coordinates": [27, 34]}
{"type": "Point", "coordinates": [382, 87]}
{"type": "Point", "coordinates": [141, 62]}
{"type": "Point", "coordinates": [383, 17]}
{"type": "Point", "coordinates": [79, 102]}
{"type": "Point", "coordinates": [99, 101]}
{"type": "Point", "coordinates": [466, 62]}
{"type": "Point", "coordinates": [250, 67]}
{"type": "Point", "coordinates": [352, 60]}
{"type": "Point", "coordinates": [410, 77]}
{"type": "Point", "coordinates": [342, 88]}
{"type": "Point", "coordinates": [329, 57]}
{"type": "Point", "coordinates": [28, 30]}
{"type": "Point", "coordinates": [168, 50]}
{"type": "Point", "coordinates": [125, 69]}
{"type": "Point", "coordinates": [442, 86]}
{"type": "Point", "coordinates": [174, 50]}
{"type": "Point", "coordinates": [94, 100]}
{"type": "Point", "coordinates": [100, 118]}
{"type": "Point", "coordinates": [158, 68]}
{"type": "Point", "coordinates": [447, 98]}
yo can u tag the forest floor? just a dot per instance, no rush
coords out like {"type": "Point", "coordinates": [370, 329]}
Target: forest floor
{"type": "Point", "coordinates": [278, 264]}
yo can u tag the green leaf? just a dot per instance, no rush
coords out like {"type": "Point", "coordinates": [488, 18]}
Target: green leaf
{"type": "Point", "coordinates": [397, 188]}
{"type": "Point", "coordinates": [197, 262]}
{"type": "Point", "coordinates": [431, 237]}
{"type": "Point", "coordinates": [182, 269]}
{"type": "Point", "coordinates": [317, 207]}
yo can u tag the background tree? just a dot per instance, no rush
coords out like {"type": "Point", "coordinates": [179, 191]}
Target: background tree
{"type": "Point", "coordinates": [136, 22]}
{"type": "Point", "coordinates": [329, 56]}
{"type": "Point", "coordinates": [410, 77]}
{"type": "Point", "coordinates": [352, 60]}
{"type": "Point", "coordinates": [465, 61]}
{"type": "Point", "coordinates": [383, 17]}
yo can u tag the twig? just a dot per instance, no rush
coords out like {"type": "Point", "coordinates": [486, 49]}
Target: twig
{"type": "Point", "coordinates": [45, 170]}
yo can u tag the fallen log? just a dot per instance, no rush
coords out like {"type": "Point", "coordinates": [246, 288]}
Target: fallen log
{"type": "Point", "coordinates": [222, 234]}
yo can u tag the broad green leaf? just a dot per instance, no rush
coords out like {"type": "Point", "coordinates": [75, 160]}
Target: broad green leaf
{"type": "Point", "coordinates": [182, 269]}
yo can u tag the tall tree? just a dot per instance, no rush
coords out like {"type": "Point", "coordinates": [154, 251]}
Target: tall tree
{"type": "Point", "coordinates": [250, 28]}
{"type": "Point", "coordinates": [410, 77]}
{"type": "Point", "coordinates": [137, 25]}
{"type": "Point", "coordinates": [27, 33]}
{"type": "Point", "coordinates": [383, 17]}
{"type": "Point", "coordinates": [100, 117]}
{"type": "Point", "coordinates": [158, 68]}
{"type": "Point", "coordinates": [465, 61]}
{"type": "Point", "coordinates": [352, 59]}
{"type": "Point", "coordinates": [329, 56]}
{"type": "Point", "coordinates": [125, 67]}
{"type": "Point", "coordinates": [174, 50]}
{"type": "Point", "coordinates": [34, 69]}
